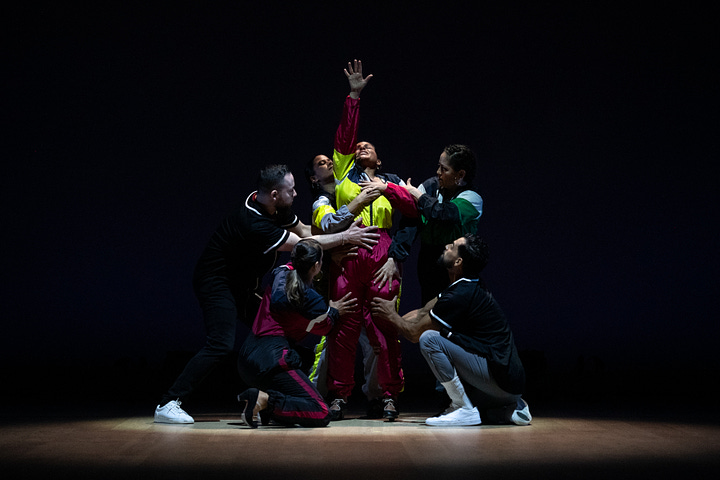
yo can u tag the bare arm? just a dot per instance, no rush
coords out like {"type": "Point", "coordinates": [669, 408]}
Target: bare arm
{"type": "Point", "coordinates": [301, 230]}
{"type": "Point", "coordinates": [362, 237]}
{"type": "Point", "coordinates": [412, 324]}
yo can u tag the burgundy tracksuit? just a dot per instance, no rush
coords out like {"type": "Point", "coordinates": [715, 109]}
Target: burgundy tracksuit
{"type": "Point", "coordinates": [269, 359]}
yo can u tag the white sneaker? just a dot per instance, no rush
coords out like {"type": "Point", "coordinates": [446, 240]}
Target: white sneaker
{"type": "Point", "coordinates": [450, 409]}
{"type": "Point", "coordinates": [172, 413]}
{"type": "Point", "coordinates": [522, 416]}
{"type": "Point", "coordinates": [461, 417]}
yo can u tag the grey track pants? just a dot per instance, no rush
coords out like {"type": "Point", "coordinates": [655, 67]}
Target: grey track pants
{"type": "Point", "coordinates": [447, 359]}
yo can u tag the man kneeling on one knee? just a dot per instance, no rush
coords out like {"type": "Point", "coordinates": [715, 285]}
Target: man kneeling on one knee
{"type": "Point", "coordinates": [466, 340]}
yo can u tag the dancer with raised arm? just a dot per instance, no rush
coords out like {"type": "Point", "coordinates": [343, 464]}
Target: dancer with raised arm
{"type": "Point", "coordinates": [356, 170]}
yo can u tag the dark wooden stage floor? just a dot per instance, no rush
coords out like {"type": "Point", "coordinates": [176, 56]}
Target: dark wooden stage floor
{"type": "Point", "coordinates": [565, 443]}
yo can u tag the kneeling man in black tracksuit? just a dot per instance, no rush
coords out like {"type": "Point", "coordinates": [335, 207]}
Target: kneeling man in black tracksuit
{"type": "Point", "coordinates": [466, 340]}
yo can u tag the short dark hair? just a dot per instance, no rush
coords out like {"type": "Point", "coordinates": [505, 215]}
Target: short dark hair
{"type": "Point", "coordinates": [475, 254]}
{"type": "Point", "coordinates": [460, 157]}
{"type": "Point", "coordinates": [271, 177]}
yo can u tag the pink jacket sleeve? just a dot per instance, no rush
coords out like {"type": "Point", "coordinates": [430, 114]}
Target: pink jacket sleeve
{"type": "Point", "coordinates": [401, 199]}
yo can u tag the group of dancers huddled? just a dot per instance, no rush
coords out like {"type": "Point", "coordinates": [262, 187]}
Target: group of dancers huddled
{"type": "Point", "coordinates": [342, 284]}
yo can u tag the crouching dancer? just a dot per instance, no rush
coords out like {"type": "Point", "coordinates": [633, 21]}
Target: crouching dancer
{"type": "Point", "coordinates": [269, 360]}
{"type": "Point", "coordinates": [466, 340]}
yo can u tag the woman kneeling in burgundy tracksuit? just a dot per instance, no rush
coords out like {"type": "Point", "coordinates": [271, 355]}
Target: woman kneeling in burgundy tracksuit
{"type": "Point", "coordinates": [269, 361]}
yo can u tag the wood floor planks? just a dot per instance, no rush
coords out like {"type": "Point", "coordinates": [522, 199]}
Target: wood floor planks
{"type": "Point", "coordinates": [218, 446]}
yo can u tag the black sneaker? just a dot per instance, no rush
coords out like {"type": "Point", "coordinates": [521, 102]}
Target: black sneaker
{"type": "Point", "coordinates": [390, 410]}
{"type": "Point", "coordinates": [249, 397]}
{"type": "Point", "coordinates": [265, 417]}
{"type": "Point", "coordinates": [337, 409]}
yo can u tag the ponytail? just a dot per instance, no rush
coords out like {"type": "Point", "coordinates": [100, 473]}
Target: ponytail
{"type": "Point", "coordinates": [305, 254]}
{"type": "Point", "coordinates": [294, 288]}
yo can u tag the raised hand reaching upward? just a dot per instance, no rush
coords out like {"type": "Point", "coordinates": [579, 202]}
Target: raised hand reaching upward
{"type": "Point", "coordinates": [354, 74]}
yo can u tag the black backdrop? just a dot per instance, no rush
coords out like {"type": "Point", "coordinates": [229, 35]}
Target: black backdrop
{"type": "Point", "coordinates": [130, 129]}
